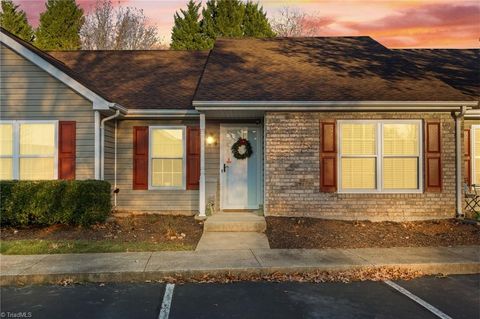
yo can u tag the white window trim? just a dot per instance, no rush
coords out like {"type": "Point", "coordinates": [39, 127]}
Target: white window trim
{"type": "Point", "coordinates": [473, 136]}
{"type": "Point", "coordinates": [379, 158]}
{"type": "Point", "coordinates": [184, 164]}
{"type": "Point", "coordinates": [16, 145]}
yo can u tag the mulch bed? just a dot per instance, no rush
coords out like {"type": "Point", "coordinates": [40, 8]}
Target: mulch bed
{"type": "Point", "coordinates": [284, 232]}
{"type": "Point", "coordinates": [144, 228]}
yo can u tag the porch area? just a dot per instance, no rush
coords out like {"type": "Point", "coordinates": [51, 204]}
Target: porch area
{"type": "Point", "coordinates": [231, 183]}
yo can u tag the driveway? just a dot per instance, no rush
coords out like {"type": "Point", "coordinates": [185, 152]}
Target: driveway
{"type": "Point", "coordinates": [454, 296]}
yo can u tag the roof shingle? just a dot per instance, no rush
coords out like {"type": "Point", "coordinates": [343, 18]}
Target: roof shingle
{"type": "Point", "coordinates": [460, 68]}
{"type": "Point", "coordinates": [316, 69]}
{"type": "Point", "coordinates": [153, 79]}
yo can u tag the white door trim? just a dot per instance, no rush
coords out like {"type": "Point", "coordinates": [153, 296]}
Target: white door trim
{"type": "Point", "coordinates": [259, 150]}
{"type": "Point", "coordinates": [473, 150]}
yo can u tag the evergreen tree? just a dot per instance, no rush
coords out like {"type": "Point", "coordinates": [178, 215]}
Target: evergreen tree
{"type": "Point", "coordinates": [255, 22]}
{"type": "Point", "coordinates": [15, 21]}
{"type": "Point", "coordinates": [220, 18]}
{"type": "Point", "coordinates": [208, 24]}
{"type": "Point", "coordinates": [186, 32]}
{"type": "Point", "coordinates": [60, 26]}
{"type": "Point", "coordinates": [223, 18]}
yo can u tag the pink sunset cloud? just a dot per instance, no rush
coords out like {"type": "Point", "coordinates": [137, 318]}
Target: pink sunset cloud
{"type": "Point", "coordinates": [429, 25]}
{"type": "Point", "coordinates": [33, 8]}
{"type": "Point", "coordinates": [401, 23]}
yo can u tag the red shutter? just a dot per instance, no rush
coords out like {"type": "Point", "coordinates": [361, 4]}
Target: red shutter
{"type": "Point", "coordinates": [433, 156]}
{"type": "Point", "coordinates": [328, 156]}
{"type": "Point", "coordinates": [193, 157]}
{"type": "Point", "coordinates": [140, 157]}
{"type": "Point", "coordinates": [66, 149]}
{"type": "Point", "coordinates": [467, 157]}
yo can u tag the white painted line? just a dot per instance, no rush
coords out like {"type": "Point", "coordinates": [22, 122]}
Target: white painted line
{"type": "Point", "coordinates": [167, 301]}
{"type": "Point", "coordinates": [418, 300]}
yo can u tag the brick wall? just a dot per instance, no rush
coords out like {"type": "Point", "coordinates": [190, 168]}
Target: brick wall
{"type": "Point", "coordinates": [293, 175]}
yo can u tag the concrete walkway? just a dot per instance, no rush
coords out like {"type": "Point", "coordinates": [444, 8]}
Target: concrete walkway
{"type": "Point", "coordinates": [232, 241]}
{"type": "Point", "coordinates": [234, 231]}
{"type": "Point", "coordinates": [115, 267]}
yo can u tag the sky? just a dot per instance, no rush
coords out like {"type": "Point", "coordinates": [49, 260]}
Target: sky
{"type": "Point", "coordinates": [395, 24]}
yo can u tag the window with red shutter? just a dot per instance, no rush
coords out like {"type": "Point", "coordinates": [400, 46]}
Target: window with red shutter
{"type": "Point", "coordinates": [66, 149]}
{"type": "Point", "coordinates": [140, 157]}
{"type": "Point", "coordinates": [433, 158]}
{"type": "Point", "coordinates": [328, 156]}
{"type": "Point", "coordinates": [193, 157]}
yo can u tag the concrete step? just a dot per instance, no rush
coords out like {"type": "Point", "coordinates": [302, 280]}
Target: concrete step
{"type": "Point", "coordinates": [232, 241]}
{"type": "Point", "coordinates": [235, 222]}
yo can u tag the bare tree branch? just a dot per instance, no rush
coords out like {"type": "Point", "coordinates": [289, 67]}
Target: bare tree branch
{"type": "Point", "coordinates": [292, 22]}
{"type": "Point", "coordinates": [107, 28]}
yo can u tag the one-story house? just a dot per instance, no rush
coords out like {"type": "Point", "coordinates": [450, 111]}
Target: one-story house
{"type": "Point", "coordinates": [328, 127]}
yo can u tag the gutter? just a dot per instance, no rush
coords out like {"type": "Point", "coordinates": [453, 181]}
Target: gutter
{"type": "Point", "coordinates": [473, 114]}
{"type": "Point", "coordinates": [333, 105]}
{"type": "Point", "coordinates": [118, 107]}
{"type": "Point", "coordinates": [458, 160]}
{"type": "Point", "coordinates": [164, 113]}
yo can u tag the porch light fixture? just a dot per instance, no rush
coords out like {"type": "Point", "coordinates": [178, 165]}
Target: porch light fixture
{"type": "Point", "coordinates": [210, 140]}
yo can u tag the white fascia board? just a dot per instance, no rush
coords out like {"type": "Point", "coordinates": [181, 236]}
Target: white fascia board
{"type": "Point", "coordinates": [170, 113]}
{"type": "Point", "coordinates": [99, 103]}
{"type": "Point", "coordinates": [473, 114]}
{"type": "Point", "coordinates": [333, 105]}
{"type": "Point", "coordinates": [123, 110]}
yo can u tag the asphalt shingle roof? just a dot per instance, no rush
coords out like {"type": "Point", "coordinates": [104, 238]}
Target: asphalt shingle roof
{"type": "Point", "coordinates": [459, 68]}
{"type": "Point", "coordinates": [154, 79]}
{"type": "Point", "coordinates": [316, 69]}
{"type": "Point", "coordinates": [276, 69]}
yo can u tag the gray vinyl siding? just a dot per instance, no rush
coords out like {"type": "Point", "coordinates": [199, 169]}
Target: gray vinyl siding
{"type": "Point", "coordinates": [168, 201]}
{"type": "Point", "coordinates": [212, 164]}
{"type": "Point", "coordinates": [29, 93]}
{"type": "Point", "coordinates": [109, 152]}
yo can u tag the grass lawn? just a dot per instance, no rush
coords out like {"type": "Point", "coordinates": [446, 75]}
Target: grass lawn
{"type": "Point", "coordinates": [31, 247]}
{"type": "Point", "coordinates": [138, 233]}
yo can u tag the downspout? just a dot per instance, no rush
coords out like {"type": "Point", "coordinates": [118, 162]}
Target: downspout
{"type": "Point", "coordinates": [102, 143]}
{"type": "Point", "coordinates": [458, 159]}
{"type": "Point", "coordinates": [115, 189]}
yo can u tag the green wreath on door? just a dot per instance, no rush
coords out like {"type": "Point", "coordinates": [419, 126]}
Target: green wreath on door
{"type": "Point", "coordinates": [236, 149]}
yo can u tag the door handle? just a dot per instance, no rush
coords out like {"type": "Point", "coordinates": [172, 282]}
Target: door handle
{"type": "Point", "coordinates": [224, 168]}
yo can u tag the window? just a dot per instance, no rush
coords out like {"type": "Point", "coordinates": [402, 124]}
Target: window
{"type": "Point", "coordinates": [6, 151]}
{"type": "Point", "coordinates": [476, 153]}
{"type": "Point", "coordinates": [167, 157]}
{"type": "Point", "coordinates": [359, 155]}
{"type": "Point", "coordinates": [28, 150]}
{"type": "Point", "coordinates": [380, 156]}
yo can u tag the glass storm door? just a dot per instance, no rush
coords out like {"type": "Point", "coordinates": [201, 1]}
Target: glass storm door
{"type": "Point", "coordinates": [240, 179]}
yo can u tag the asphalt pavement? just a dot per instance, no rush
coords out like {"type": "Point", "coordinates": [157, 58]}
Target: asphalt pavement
{"type": "Point", "coordinates": [453, 296]}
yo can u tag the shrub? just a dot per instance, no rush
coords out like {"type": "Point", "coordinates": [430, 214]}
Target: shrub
{"type": "Point", "coordinates": [54, 202]}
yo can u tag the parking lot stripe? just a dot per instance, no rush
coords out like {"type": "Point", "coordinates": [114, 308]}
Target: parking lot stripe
{"type": "Point", "coordinates": [418, 300]}
{"type": "Point", "coordinates": [167, 301]}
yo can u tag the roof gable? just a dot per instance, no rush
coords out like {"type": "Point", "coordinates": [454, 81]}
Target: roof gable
{"type": "Point", "coordinates": [55, 68]}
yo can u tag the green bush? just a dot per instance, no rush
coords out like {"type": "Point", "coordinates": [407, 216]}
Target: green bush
{"type": "Point", "coordinates": [54, 202]}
